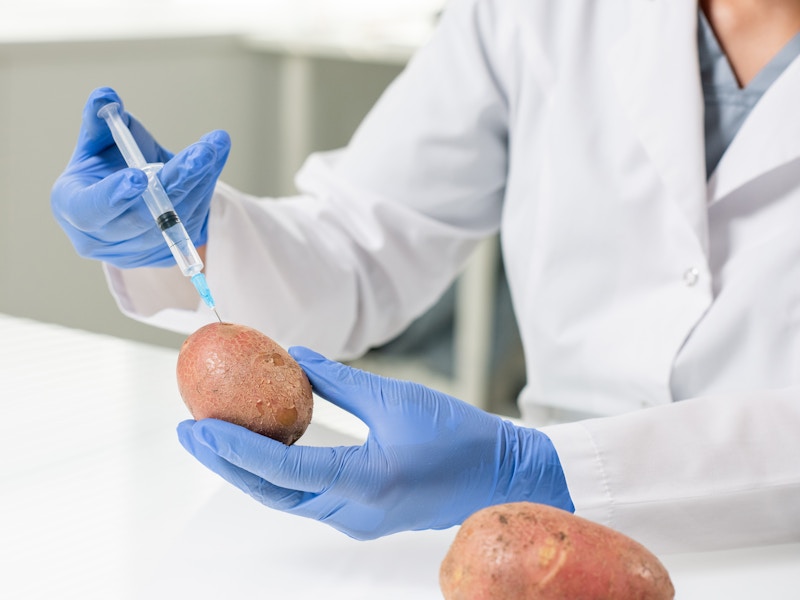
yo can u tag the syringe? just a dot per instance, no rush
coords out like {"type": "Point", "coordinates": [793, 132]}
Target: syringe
{"type": "Point", "coordinates": [160, 205]}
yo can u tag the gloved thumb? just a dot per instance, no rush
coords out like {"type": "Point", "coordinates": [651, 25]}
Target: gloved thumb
{"type": "Point", "coordinates": [95, 136]}
{"type": "Point", "coordinates": [353, 390]}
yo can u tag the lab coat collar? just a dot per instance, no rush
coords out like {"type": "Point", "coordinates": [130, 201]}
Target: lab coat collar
{"type": "Point", "coordinates": [657, 75]}
{"type": "Point", "coordinates": [768, 139]}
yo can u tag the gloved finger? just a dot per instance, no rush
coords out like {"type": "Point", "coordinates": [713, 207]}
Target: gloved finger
{"type": "Point", "coordinates": [149, 241]}
{"type": "Point", "coordinates": [356, 391]}
{"type": "Point", "coordinates": [183, 172]}
{"type": "Point", "coordinates": [302, 468]}
{"type": "Point", "coordinates": [90, 208]}
{"type": "Point", "coordinates": [197, 166]}
{"type": "Point", "coordinates": [268, 494]}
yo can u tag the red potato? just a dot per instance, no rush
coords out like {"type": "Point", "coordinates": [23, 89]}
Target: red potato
{"type": "Point", "coordinates": [522, 551]}
{"type": "Point", "coordinates": [238, 374]}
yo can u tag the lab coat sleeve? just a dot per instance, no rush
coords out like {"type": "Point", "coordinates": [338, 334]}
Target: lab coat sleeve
{"type": "Point", "coordinates": [379, 230]}
{"type": "Point", "coordinates": [700, 474]}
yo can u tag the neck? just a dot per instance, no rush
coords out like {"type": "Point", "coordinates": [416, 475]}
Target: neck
{"type": "Point", "coordinates": [752, 32]}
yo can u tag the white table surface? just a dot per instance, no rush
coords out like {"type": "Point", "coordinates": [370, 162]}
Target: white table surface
{"type": "Point", "coordinates": [98, 499]}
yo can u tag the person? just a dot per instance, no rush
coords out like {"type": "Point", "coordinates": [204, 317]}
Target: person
{"type": "Point", "coordinates": [641, 161]}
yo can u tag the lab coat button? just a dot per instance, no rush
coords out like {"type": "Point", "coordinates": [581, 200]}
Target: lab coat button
{"type": "Point", "coordinates": [691, 276]}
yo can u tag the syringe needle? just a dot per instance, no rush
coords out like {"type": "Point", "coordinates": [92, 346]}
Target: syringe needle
{"type": "Point", "coordinates": [216, 313]}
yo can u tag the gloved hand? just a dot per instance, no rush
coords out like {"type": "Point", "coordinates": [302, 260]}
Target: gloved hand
{"type": "Point", "coordinates": [429, 460]}
{"type": "Point", "coordinates": [97, 199]}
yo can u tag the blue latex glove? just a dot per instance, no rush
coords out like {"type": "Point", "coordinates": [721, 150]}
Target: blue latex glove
{"type": "Point", "coordinates": [429, 460]}
{"type": "Point", "coordinates": [97, 199]}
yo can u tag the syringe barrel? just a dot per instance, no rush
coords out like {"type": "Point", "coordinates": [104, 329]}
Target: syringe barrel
{"type": "Point", "coordinates": [178, 240]}
{"type": "Point", "coordinates": [183, 249]}
{"type": "Point", "coordinates": [155, 196]}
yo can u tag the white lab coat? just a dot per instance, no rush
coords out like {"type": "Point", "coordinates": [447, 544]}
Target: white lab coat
{"type": "Point", "coordinates": [575, 128]}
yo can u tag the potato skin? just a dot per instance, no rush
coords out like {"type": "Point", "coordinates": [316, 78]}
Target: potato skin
{"type": "Point", "coordinates": [236, 373]}
{"type": "Point", "coordinates": [522, 551]}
